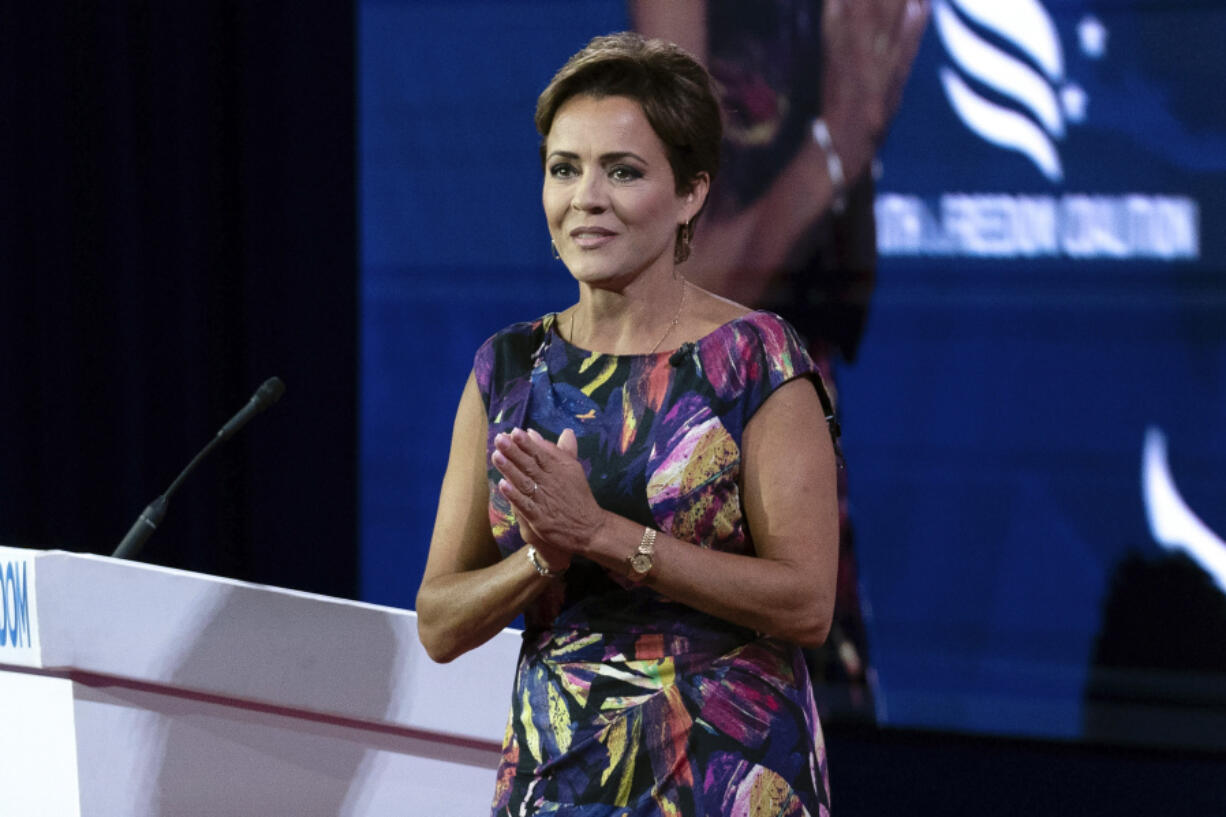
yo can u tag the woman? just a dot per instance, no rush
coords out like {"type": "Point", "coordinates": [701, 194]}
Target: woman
{"type": "Point", "coordinates": [638, 476]}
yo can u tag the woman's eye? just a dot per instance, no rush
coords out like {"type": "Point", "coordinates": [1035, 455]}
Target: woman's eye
{"type": "Point", "coordinates": [624, 173]}
{"type": "Point", "coordinates": [562, 170]}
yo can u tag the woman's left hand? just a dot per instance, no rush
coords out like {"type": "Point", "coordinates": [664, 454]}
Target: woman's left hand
{"type": "Point", "coordinates": [547, 487]}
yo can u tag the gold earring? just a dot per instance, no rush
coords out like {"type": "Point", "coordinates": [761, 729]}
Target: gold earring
{"type": "Point", "coordinates": [685, 234]}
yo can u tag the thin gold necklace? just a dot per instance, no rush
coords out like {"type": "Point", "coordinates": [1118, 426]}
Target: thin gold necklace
{"type": "Point", "coordinates": [667, 332]}
{"type": "Point", "coordinates": [676, 319]}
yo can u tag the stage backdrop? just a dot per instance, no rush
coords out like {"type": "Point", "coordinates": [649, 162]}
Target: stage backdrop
{"type": "Point", "coordinates": [1034, 426]}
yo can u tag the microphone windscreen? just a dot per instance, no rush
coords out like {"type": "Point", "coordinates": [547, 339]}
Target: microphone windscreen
{"type": "Point", "coordinates": [270, 392]}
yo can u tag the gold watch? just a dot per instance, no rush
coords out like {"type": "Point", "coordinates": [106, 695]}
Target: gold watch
{"type": "Point", "coordinates": [643, 558]}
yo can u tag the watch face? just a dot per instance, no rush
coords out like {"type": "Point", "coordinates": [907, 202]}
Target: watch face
{"type": "Point", "coordinates": [640, 562]}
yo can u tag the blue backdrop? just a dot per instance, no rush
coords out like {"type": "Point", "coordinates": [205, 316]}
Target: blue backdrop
{"type": "Point", "coordinates": [1051, 288]}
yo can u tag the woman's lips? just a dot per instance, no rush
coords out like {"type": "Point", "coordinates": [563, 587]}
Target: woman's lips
{"type": "Point", "coordinates": [589, 238]}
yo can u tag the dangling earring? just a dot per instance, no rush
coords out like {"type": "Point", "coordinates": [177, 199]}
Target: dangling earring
{"type": "Point", "coordinates": [554, 247]}
{"type": "Point", "coordinates": [685, 234]}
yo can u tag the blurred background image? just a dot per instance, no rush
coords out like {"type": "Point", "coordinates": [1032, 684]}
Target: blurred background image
{"type": "Point", "coordinates": [1032, 394]}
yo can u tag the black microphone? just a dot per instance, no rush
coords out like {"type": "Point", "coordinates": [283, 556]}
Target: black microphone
{"type": "Point", "coordinates": [264, 397]}
{"type": "Point", "coordinates": [152, 516]}
{"type": "Point", "coordinates": [678, 357]}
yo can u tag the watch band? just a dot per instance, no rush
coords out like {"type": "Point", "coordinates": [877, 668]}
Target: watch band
{"type": "Point", "coordinates": [643, 558]}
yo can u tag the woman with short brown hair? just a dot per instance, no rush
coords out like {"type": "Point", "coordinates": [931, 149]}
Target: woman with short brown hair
{"type": "Point", "coordinates": [639, 476]}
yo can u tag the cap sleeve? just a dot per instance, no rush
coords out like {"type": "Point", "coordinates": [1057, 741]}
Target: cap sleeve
{"type": "Point", "coordinates": [762, 353]}
{"type": "Point", "coordinates": [503, 363]}
{"type": "Point", "coordinates": [778, 355]}
{"type": "Point", "coordinates": [483, 369]}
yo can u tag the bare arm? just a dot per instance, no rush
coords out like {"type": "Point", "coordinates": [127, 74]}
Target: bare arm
{"type": "Point", "coordinates": [789, 499]}
{"type": "Point", "coordinates": [468, 592]}
{"type": "Point", "coordinates": [867, 48]}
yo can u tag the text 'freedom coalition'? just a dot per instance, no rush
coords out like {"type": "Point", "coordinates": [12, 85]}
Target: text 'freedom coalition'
{"type": "Point", "coordinates": [1020, 226]}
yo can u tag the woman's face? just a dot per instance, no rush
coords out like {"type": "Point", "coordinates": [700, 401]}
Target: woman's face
{"type": "Point", "coordinates": [609, 194]}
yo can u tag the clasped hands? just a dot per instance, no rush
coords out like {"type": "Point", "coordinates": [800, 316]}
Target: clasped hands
{"type": "Point", "coordinates": [548, 490]}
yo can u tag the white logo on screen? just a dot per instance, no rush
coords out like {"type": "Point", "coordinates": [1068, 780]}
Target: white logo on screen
{"type": "Point", "coordinates": [1172, 523]}
{"type": "Point", "coordinates": [1005, 79]}
{"type": "Point", "coordinates": [1008, 84]}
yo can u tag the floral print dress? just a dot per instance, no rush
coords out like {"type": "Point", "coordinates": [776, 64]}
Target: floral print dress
{"type": "Point", "coordinates": [627, 703]}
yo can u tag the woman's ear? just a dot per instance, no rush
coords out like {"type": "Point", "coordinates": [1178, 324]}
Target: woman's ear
{"type": "Point", "coordinates": [696, 196]}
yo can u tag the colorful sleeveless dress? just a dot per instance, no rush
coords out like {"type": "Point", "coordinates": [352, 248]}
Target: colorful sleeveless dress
{"type": "Point", "coordinates": [626, 703]}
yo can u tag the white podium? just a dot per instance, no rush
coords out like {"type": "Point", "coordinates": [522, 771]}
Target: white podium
{"type": "Point", "coordinates": [129, 690]}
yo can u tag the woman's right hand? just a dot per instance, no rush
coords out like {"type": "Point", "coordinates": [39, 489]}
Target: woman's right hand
{"type": "Point", "coordinates": [867, 50]}
{"type": "Point", "coordinates": [554, 557]}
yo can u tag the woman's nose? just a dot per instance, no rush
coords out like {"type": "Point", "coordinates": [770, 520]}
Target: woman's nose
{"type": "Point", "coordinates": [590, 194]}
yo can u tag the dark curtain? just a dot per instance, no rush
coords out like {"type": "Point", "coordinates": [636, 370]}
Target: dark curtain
{"type": "Point", "coordinates": [179, 224]}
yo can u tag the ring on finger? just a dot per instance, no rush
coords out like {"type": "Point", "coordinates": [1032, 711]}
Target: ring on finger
{"type": "Point", "coordinates": [532, 492]}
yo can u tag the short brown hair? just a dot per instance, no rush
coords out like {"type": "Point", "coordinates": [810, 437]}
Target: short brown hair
{"type": "Point", "coordinates": [673, 89]}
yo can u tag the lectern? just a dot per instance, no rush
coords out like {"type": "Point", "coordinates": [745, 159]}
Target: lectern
{"type": "Point", "coordinates": [128, 689]}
